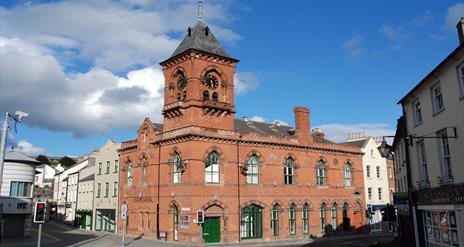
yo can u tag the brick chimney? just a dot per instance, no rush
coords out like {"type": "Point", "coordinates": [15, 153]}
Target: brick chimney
{"type": "Point", "coordinates": [302, 124]}
{"type": "Point", "coordinates": [460, 28]}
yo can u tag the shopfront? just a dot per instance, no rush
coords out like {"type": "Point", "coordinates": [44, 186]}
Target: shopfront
{"type": "Point", "coordinates": [441, 214]}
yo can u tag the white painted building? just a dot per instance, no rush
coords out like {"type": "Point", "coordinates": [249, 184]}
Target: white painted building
{"type": "Point", "coordinates": [85, 197]}
{"type": "Point", "coordinates": [16, 194]}
{"type": "Point", "coordinates": [61, 190]}
{"type": "Point", "coordinates": [44, 176]}
{"type": "Point", "coordinates": [434, 119]}
{"type": "Point", "coordinates": [377, 174]}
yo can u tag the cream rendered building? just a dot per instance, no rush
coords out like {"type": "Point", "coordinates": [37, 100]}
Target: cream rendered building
{"type": "Point", "coordinates": [376, 176]}
{"type": "Point", "coordinates": [106, 188]}
{"type": "Point", "coordinates": [434, 115]}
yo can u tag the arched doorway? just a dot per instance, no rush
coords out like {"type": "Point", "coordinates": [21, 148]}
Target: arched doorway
{"type": "Point", "coordinates": [212, 224]}
{"type": "Point", "coordinates": [346, 219]}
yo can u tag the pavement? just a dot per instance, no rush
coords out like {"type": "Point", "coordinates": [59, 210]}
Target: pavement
{"type": "Point", "coordinates": [56, 234]}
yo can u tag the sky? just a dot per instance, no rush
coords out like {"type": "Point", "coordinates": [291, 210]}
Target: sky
{"type": "Point", "coordinates": [87, 71]}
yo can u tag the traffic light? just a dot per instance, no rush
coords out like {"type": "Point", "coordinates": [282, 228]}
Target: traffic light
{"type": "Point", "coordinates": [39, 212]}
{"type": "Point", "coordinates": [200, 216]}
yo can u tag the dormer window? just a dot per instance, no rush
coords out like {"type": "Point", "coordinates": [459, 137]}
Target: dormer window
{"type": "Point", "coordinates": [206, 31]}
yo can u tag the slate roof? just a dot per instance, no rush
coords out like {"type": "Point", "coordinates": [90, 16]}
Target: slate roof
{"type": "Point", "coordinates": [247, 126]}
{"type": "Point", "coordinates": [14, 155]}
{"type": "Point", "coordinates": [200, 38]}
{"type": "Point", "coordinates": [359, 143]}
{"type": "Point", "coordinates": [89, 177]}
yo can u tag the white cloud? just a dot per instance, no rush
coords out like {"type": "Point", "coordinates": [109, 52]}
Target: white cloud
{"type": "Point", "coordinates": [263, 120]}
{"type": "Point", "coordinates": [454, 13]}
{"type": "Point", "coordinates": [109, 34]}
{"type": "Point", "coordinates": [258, 119]}
{"type": "Point", "coordinates": [245, 82]}
{"type": "Point", "coordinates": [83, 103]}
{"type": "Point", "coordinates": [29, 149]}
{"type": "Point", "coordinates": [339, 132]}
{"type": "Point", "coordinates": [354, 46]}
{"type": "Point", "coordinates": [396, 35]}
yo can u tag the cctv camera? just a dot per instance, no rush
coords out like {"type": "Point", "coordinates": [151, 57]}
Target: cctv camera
{"type": "Point", "coordinates": [20, 114]}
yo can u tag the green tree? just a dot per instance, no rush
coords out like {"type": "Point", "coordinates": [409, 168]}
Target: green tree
{"type": "Point", "coordinates": [67, 162]}
{"type": "Point", "coordinates": [43, 159]}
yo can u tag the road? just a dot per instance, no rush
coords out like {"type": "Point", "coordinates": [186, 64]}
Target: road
{"type": "Point", "coordinates": [56, 234]}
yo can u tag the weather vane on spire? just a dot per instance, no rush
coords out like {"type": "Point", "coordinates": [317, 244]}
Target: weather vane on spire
{"type": "Point", "coordinates": [200, 10]}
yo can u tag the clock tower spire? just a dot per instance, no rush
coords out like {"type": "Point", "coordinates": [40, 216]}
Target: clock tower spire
{"type": "Point", "coordinates": [199, 82]}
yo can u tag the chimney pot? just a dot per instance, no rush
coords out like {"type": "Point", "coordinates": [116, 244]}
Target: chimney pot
{"type": "Point", "coordinates": [460, 29]}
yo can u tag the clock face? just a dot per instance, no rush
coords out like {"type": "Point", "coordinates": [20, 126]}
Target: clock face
{"type": "Point", "coordinates": [210, 81]}
{"type": "Point", "coordinates": [181, 82]}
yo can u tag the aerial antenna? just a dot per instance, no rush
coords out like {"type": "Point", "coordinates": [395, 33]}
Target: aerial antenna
{"type": "Point", "coordinates": [200, 11]}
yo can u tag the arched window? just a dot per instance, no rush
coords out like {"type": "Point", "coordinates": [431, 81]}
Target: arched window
{"type": "Point", "coordinates": [253, 169]}
{"type": "Point", "coordinates": [177, 168]}
{"type": "Point", "coordinates": [205, 95]}
{"type": "Point", "coordinates": [334, 216]}
{"type": "Point", "coordinates": [322, 216]}
{"type": "Point", "coordinates": [305, 217]}
{"type": "Point", "coordinates": [289, 171]}
{"type": "Point", "coordinates": [251, 224]}
{"type": "Point", "coordinates": [346, 219]}
{"type": "Point", "coordinates": [214, 97]}
{"type": "Point", "coordinates": [175, 220]}
{"type": "Point", "coordinates": [212, 168]}
{"type": "Point", "coordinates": [320, 173]}
{"type": "Point", "coordinates": [275, 220]}
{"type": "Point", "coordinates": [347, 175]}
{"type": "Point", "coordinates": [129, 174]}
{"type": "Point", "coordinates": [292, 219]}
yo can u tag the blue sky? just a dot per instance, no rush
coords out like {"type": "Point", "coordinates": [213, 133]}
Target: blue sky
{"type": "Point", "coordinates": [87, 70]}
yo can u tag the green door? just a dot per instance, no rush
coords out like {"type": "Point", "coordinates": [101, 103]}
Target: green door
{"type": "Point", "coordinates": [212, 230]}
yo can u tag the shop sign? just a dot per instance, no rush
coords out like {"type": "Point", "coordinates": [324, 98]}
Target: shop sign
{"type": "Point", "coordinates": [442, 195]}
{"type": "Point", "coordinates": [184, 221]}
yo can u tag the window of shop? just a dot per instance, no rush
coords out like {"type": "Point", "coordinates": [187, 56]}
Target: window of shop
{"type": "Point", "coordinates": [275, 220]}
{"type": "Point", "coordinates": [440, 228]}
{"type": "Point", "coordinates": [251, 222]}
{"type": "Point", "coordinates": [291, 219]}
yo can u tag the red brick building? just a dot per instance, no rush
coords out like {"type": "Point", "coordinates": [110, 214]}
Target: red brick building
{"type": "Point", "coordinates": [253, 180]}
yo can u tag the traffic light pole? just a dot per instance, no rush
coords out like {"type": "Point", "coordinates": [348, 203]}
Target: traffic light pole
{"type": "Point", "coordinates": [40, 235]}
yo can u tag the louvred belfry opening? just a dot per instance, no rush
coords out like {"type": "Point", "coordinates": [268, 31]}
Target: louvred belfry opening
{"type": "Point", "coordinates": [199, 83]}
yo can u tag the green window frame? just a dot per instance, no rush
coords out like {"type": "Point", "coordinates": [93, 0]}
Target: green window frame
{"type": "Point", "coordinates": [323, 216]}
{"type": "Point", "coordinates": [108, 167]}
{"type": "Point", "coordinates": [212, 168]}
{"type": "Point", "coordinates": [175, 219]}
{"type": "Point", "coordinates": [334, 216]}
{"type": "Point", "coordinates": [252, 173]}
{"type": "Point", "coordinates": [320, 173]}
{"type": "Point", "coordinates": [289, 171]}
{"type": "Point", "coordinates": [275, 220]}
{"type": "Point", "coordinates": [347, 175]}
{"type": "Point", "coordinates": [251, 222]}
{"type": "Point", "coordinates": [292, 219]}
{"type": "Point", "coordinates": [99, 168]}
{"type": "Point", "coordinates": [305, 218]}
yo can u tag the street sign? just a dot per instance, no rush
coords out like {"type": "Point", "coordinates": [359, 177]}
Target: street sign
{"type": "Point", "coordinates": [39, 212]}
{"type": "Point", "coordinates": [124, 211]}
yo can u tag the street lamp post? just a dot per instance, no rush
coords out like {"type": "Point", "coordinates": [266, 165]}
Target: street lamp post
{"type": "Point", "coordinates": [17, 118]}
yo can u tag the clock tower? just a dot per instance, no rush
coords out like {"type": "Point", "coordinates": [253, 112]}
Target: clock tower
{"type": "Point", "coordinates": [199, 83]}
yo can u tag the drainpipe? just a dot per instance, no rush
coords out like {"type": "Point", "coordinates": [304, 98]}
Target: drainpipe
{"type": "Point", "coordinates": [238, 187]}
{"type": "Point", "coordinates": [158, 194]}
{"type": "Point", "coordinates": [412, 209]}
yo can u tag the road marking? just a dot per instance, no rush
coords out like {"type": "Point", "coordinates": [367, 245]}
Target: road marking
{"type": "Point", "coordinates": [48, 235]}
